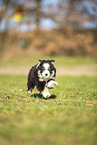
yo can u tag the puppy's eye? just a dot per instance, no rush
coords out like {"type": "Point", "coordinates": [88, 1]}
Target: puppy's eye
{"type": "Point", "coordinates": [49, 68]}
{"type": "Point", "coordinates": [43, 69]}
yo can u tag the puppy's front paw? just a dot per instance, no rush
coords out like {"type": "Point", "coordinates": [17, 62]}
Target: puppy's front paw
{"type": "Point", "coordinates": [52, 84]}
{"type": "Point", "coordinates": [46, 93]}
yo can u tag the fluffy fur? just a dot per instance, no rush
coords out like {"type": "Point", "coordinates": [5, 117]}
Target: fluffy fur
{"type": "Point", "coordinates": [42, 76]}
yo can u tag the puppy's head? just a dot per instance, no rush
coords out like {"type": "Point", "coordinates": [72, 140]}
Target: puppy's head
{"type": "Point", "coordinates": [46, 69]}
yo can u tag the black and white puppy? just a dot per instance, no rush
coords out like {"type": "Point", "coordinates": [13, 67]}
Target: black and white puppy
{"type": "Point", "coordinates": [42, 76]}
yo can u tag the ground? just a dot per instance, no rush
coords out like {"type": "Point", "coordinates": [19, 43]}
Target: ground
{"type": "Point", "coordinates": [69, 117]}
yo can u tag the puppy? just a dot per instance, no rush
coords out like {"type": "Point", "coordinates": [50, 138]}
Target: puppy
{"type": "Point", "coordinates": [42, 76]}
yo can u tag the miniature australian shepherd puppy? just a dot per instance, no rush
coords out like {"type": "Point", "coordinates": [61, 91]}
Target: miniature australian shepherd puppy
{"type": "Point", "coordinates": [42, 76]}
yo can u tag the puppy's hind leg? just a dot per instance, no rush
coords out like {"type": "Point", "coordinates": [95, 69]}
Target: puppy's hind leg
{"type": "Point", "coordinates": [31, 86]}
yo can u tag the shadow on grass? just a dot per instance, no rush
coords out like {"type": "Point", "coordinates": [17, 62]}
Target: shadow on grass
{"type": "Point", "coordinates": [36, 95]}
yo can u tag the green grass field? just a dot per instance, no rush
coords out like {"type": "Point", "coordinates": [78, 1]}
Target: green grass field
{"type": "Point", "coordinates": [68, 118]}
{"type": "Point", "coordinates": [60, 60]}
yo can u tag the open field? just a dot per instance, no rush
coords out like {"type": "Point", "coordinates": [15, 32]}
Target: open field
{"type": "Point", "coordinates": [72, 66]}
{"type": "Point", "coordinates": [69, 117]}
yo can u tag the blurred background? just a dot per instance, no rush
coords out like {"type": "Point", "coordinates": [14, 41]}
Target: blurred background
{"type": "Point", "coordinates": [33, 29]}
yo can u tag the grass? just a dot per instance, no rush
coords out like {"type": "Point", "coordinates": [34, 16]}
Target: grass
{"type": "Point", "coordinates": [60, 60]}
{"type": "Point", "coordinates": [68, 119]}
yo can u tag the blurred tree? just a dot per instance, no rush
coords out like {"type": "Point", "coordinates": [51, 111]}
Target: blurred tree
{"type": "Point", "coordinates": [19, 9]}
{"type": "Point", "coordinates": [66, 15]}
{"type": "Point", "coordinates": [76, 13]}
{"type": "Point", "coordinates": [38, 12]}
{"type": "Point", "coordinates": [73, 12]}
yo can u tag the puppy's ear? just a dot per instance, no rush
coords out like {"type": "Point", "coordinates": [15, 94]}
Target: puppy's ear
{"type": "Point", "coordinates": [39, 63]}
{"type": "Point", "coordinates": [52, 61]}
{"type": "Point", "coordinates": [40, 60]}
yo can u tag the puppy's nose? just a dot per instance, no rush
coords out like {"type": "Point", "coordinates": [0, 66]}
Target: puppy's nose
{"type": "Point", "coordinates": [46, 74]}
